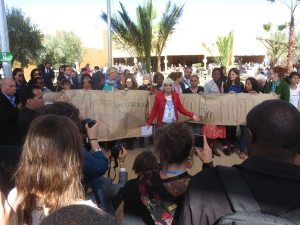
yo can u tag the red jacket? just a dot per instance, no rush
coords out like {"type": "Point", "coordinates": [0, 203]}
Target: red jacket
{"type": "Point", "coordinates": [159, 108]}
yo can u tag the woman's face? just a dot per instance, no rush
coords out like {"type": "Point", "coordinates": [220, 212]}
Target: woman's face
{"type": "Point", "coordinates": [36, 74]}
{"type": "Point", "coordinates": [248, 85]}
{"type": "Point", "coordinates": [86, 84]}
{"type": "Point", "coordinates": [129, 83]}
{"type": "Point", "coordinates": [167, 88]}
{"type": "Point", "coordinates": [216, 75]}
{"type": "Point", "coordinates": [273, 75]}
{"type": "Point", "coordinates": [160, 80]}
{"type": "Point", "coordinates": [20, 77]}
{"type": "Point", "coordinates": [294, 80]}
{"type": "Point", "coordinates": [233, 76]}
{"type": "Point", "coordinates": [146, 81]}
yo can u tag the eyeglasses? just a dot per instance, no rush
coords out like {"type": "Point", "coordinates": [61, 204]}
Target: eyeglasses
{"type": "Point", "coordinates": [170, 85]}
{"type": "Point", "coordinates": [20, 75]}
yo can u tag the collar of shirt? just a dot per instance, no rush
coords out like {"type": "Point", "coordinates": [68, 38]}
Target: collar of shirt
{"type": "Point", "coordinates": [272, 168]}
{"type": "Point", "coordinates": [10, 98]}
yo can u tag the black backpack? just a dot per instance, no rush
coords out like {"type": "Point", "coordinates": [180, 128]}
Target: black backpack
{"type": "Point", "coordinates": [246, 209]}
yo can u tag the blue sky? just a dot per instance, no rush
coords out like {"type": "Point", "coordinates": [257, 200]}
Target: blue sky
{"type": "Point", "coordinates": [202, 20]}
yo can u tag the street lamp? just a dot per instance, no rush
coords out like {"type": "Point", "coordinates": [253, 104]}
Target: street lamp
{"type": "Point", "coordinates": [4, 40]}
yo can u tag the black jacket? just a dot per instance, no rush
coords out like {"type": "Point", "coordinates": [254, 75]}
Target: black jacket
{"type": "Point", "coordinates": [9, 132]}
{"type": "Point", "coordinates": [275, 186]}
{"type": "Point", "coordinates": [25, 118]}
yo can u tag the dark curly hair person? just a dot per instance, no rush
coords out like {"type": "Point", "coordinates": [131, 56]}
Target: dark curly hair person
{"type": "Point", "coordinates": [174, 149]}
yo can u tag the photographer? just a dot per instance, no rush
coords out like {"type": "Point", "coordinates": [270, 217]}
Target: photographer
{"type": "Point", "coordinates": [95, 160]}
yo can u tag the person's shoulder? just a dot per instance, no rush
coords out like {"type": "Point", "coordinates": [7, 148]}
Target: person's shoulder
{"type": "Point", "coordinates": [207, 179]}
{"type": "Point", "coordinates": [175, 94]}
{"type": "Point", "coordinates": [159, 94]}
{"type": "Point", "coordinates": [285, 84]}
{"type": "Point", "coordinates": [12, 198]}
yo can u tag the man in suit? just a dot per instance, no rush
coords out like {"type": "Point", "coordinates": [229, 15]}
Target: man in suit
{"type": "Point", "coordinates": [32, 100]}
{"type": "Point", "coordinates": [68, 75]}
{"type": "Point", "coordinates": [48, 76]}
{"type": "Point", "coordinates": [9, 133]}
{"type": "Point", "coordinates": [188, 71]}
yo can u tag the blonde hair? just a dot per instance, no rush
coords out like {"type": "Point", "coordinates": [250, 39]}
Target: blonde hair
{"type": "Point", "coordinates": [168, 81]}
{"type": "Point", "coordinates": [49, 172]}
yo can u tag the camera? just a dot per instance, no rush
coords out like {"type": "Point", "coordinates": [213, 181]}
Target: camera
{"type": "Point", "coordinates": [198, 140]}
{"type": "Point", "coordinates": [89, 122]}
{"type": "Point", "coordinates": [115, 150]}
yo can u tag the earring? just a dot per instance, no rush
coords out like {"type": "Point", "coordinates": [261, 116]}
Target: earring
{"type": "Point", "coordinates": [189, 163]}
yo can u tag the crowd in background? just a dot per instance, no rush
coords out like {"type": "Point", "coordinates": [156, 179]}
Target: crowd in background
{"type": "Point", "coordinates": [62, 163]}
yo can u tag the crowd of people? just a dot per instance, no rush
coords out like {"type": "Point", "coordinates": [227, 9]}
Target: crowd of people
{"type": "Point", "coordinates": [60, 166]}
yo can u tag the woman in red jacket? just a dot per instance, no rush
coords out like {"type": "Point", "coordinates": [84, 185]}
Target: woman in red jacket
{"type": "Point", "coordinates": [166, 106]}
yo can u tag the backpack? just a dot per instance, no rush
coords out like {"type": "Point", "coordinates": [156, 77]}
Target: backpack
{"type": "Point", "coordinates": [246, 209]}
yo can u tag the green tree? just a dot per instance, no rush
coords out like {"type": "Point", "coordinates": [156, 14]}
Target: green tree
{"type": "Point", "coordinates": [225, 48]}
{"type": "Point", "coordinates": [139, 38]}
{"type": "Point", "coordinates": [25, 38]}
{"type": "Point", "coordinates": [292, 5]}
{"type": "Point", "coordinates": [276, 44]}
{"type": "Point", "coordinates": [166, 27]}
{"type": "Point", "coordinates": [62, 48]}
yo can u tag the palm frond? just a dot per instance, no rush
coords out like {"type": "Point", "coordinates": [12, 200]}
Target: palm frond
{"type": "Point", "coordinates": [167, 24]}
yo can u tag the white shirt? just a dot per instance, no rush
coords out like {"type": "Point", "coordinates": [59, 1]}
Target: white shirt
{"type": "Point", "coordinates": [212, 88]}
{"type": "Point", "coordinates": [294, 96]}
{"type": "Point", "coordinates": [169, 113]}
{"type": "Point", "coordinates": [37, 215]}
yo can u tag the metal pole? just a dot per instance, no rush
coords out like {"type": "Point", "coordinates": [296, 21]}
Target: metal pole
{"type": "Point", "coordinates": [109, 33]}
{"type": "Point", "coordinates": [4, 39]}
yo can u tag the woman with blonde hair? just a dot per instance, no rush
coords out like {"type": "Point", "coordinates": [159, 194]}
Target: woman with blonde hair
{"type": "Point", "coordinates": [166, 106]}
{"type": "Point", "coordinates": [50, 170]}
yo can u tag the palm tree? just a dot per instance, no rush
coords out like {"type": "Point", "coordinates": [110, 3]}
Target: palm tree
{"type": "Point", "coordinates": [277, 43]}
{"type": "Point", "coordinates": [138, 39]}
{"type": "Point", "coordinates": [225, 47]}
{"type": "Point", "coordinates": [166, 27]}
{"type": "Point", "coordinates": [292, 5]}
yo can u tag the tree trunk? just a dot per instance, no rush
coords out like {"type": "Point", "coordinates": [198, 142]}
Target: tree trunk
{"type": "Point", "coordinates": [291, 49]}
{"type": "Point", "coordinates": [158, 64]}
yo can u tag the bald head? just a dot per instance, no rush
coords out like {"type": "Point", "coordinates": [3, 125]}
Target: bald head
{"type": "Point", "coordinates": [8, 86]}
{"type": "Point", "coordinates": [274, 128]}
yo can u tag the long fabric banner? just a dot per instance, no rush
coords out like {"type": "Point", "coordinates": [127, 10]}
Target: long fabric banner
{"type": "Point", "coordinates": [122, 113]}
